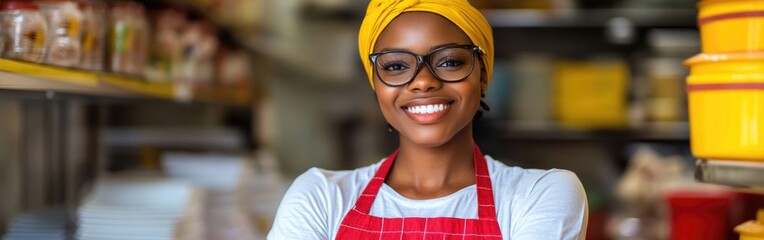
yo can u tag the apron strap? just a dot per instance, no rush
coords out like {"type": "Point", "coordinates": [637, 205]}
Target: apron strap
{"type": "Point", "coordinates": [372, 188]}
{"type": "Point", "coordinates": [486, 209]}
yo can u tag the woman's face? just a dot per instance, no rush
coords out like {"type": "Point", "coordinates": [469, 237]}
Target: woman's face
{"type": "Point", "coordinates": [420, 33]}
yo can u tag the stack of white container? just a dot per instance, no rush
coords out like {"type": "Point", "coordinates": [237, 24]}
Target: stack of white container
{"type": "Point", "coordinates": [46, 224]}
{"type": "Point", "coordinates": [225, 181]}
{"type": "Point", "coordinates": [141, 207]}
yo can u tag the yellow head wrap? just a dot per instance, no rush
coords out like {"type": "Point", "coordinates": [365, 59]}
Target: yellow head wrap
{"type": "Point", "coordinates": [381, 12]}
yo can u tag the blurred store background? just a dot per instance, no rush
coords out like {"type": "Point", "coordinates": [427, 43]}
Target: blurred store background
{"type": "Point", "coordinates": [189, 119]}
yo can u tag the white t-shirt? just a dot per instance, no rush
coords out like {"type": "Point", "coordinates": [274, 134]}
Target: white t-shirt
{"type": "Point", "coordinates": [531, 204]}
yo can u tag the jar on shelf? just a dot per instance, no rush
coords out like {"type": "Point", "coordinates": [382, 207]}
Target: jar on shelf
{"type": "Point", "coordinates": [196, 66]}
{"type": "Point", "coordinates": [64, 32]}
{"type": "Point", "coordinates": [128, 38]}
{"type": "Point", "coordinates": [2, 34]}
{"type": "Point", "coordinates": [93, 35]}
{"type": "Point", "coordinates": [24, 31]}
{"type": "Point", "coordinates": [165, 52]}
{"type": "Point", "coordinates": [141, 41]}
{"type": "Point", "coordinates": [233, 69]}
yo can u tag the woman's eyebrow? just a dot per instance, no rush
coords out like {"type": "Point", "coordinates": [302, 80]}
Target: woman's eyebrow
{"type": "Point", "coordinates": [431, 48]}
{"type": "Point", "coordinates": [443, 45]}
{"type": "Point", "coordinates": [394, 50]}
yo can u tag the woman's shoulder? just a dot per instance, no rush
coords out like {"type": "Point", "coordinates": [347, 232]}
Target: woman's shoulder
{"type": "Point", "coordinates": [541, 204]}
{"type": "Point", "coordinates": [321, 179]}
{"type": "Point", "coordinates": [314, 204]}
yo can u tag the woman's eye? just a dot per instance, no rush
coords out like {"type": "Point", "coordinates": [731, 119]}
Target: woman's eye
{"type": "Point", "coordinates": [394, 67]}
{"type": "Point", "coordinates": [450, 63]}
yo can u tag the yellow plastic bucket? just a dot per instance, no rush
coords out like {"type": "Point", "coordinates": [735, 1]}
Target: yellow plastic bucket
{"type": "Point", "coordinates": [726, 106]}
{"type": "Point", "coordinates": [731, 25]}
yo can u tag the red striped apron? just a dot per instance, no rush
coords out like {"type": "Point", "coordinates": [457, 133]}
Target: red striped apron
{"type": "Point", "coordinates": [358, 224]}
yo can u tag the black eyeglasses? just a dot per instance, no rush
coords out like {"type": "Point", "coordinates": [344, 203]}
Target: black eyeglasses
{"type": "Point", "coordinates": [448, 64]}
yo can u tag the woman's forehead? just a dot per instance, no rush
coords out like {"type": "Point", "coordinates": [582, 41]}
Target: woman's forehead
{"type": "Point", "coordinates": [419, 32]}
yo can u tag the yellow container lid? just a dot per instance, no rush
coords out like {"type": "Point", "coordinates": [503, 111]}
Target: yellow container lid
{"type": "Point", "coordinates": [753, 228]}
{"type": "Point", "coordinates": [724, 57]}
{"type": "Point", "coordinates": [710, 8]}
{"type": "Point", "coordinates": [741, 67]}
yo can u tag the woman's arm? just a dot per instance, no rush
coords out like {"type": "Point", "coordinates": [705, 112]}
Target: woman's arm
{"type": "Point", "coordinates": [302, 213]}
{"type": "Point", "coordinates": [554, 208]}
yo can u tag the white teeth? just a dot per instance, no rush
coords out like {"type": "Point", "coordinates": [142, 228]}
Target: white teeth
{"type": "Point", "coordinates": [427, 109]}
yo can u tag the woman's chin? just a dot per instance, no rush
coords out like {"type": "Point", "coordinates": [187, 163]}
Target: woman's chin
{"type": "Point", "coordinates": [428, 139]}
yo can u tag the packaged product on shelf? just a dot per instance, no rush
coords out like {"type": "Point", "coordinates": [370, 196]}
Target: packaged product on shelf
{"type": "Point", "coordinates": [498, 95]}
{"type": "Point", "coordinates": [141, 41]}
{"type": "Point", "coordinates": [661, 97]}
{"type": "Point", "coordinates": [199, 43]}
{"type": "Point", "coordinates": [666, 87]}
{"type": "Point", "coordinates": [246, 14]}
{"type": "Point", "coordinates": [64, 32]}
{"type": "Point", "coordinates": [93, 35]}
{"type": "Point", "coordinates": [24, 31]}
{"type": "Point", "coordinates": [2, 35]}
{"type": "Point", "coordinates": [120, 36]}
{"type": "Point", "coordinates": [128, 34]}
{"type": "Point", "coordinates": [233, 69]}
{"type": "Point", "coordinates": [530, 100]}
{"type": "Point", "coordinates": [165, 50]}
{"type": "Point", "coordinates": [207, 49]}
{"type": "Point", "coordinates": [591, 94]}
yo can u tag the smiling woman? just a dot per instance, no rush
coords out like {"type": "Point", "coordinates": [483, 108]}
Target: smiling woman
{"type": "Point", "coordinates": [429, 62]}
{"type": "Point", "coordinates": [423, 33]}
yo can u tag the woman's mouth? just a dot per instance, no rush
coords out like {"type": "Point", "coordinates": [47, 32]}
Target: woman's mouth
{"type": "Point", "coordinates": [426, 109]}
{"type": "Point", "coordinates": [427, 113]}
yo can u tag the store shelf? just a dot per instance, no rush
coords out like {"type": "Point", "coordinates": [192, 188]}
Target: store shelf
{"type": "Point", "coordinates": [23, 76]}
{"type": "Point", "coordinates": [536, 131]}
{"type": "Point", "coordinates": [517, 18]}
{"type": "Point", "coordinates": [746, 175]}
{"type": "Point", "coordinates": [16, 75]}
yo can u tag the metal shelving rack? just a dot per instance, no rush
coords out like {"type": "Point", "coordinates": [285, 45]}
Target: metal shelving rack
{"type": "Point", "coordinates": [60, 107]}
{"type": "Point", "coordinates": [61, 120]}
{"type": "Point", "coordinates": [745, 175]}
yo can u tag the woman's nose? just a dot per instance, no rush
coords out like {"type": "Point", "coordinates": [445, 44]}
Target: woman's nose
{"type": "Point", "coordinates": [424, 81]}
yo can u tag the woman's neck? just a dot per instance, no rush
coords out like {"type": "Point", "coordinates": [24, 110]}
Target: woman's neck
{"type": "Point", "coordinates": [422, 172]}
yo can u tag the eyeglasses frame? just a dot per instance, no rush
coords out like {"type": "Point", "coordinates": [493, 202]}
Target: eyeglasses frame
{"type": "Point", "coordinates": [422, 59]}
